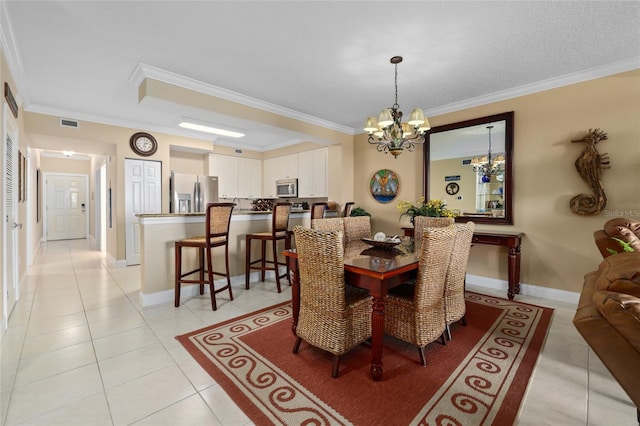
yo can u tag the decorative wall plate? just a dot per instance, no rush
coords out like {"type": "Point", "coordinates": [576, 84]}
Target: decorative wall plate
{"type": "Point", "coordinates": [384, 185]}
{"type": "Point", "coordinates": [452, 188]}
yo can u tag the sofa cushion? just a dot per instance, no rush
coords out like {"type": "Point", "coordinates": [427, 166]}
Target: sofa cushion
{"type": "Point", "coordinates": [620, 273]}
{"type": "Point", "coordinates": [623, 313]}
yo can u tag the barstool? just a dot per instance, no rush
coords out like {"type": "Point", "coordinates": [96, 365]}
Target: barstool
{"type": "Point", "coordinates": [347, 209]}
{"type": "Point", "coordinates": [317, 210]}
{"type": "Point", "coordinates": [217, 223]}
{"type": "Point", "coordinates": [279, 227]}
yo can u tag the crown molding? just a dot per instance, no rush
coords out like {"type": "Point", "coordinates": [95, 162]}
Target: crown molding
{"type": "Point", "coordinates": [143, 71]}
{"type": "Point", "coordinates": [551, 83]}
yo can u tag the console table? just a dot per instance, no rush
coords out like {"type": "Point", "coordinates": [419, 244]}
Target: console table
{"type": "Point", "coordinates": [511, 240]}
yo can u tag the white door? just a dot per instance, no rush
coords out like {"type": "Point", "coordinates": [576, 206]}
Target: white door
{"type": "Point", "coordinates": [10, 213]}
{"type": "Point", "coordinates": [66, 206]}
{"type": "Point", "coordinates": [143, 194]}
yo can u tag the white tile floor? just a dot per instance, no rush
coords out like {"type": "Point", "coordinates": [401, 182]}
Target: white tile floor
{"type": "Point", "coordinates": [80, 349]}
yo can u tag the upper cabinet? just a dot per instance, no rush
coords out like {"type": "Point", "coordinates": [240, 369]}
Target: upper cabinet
{"type": "Point", "coordinates": [312, 173]}
{"type": "Point", "coordinates": [285, 167]}
{"type": "Point", "coordinates": [250, 178]}
{"type": "Point", "coordinates": [310, 167]}
{"type": "Point", "coordinates": [237, 176]}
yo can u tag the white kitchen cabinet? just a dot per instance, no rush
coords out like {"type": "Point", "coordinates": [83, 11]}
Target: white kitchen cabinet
{"type": "Point", "coordinates": [284, 167]}
{"type": "Point", "coordinates": [237, 176]}
{"type": "Point", "coordinates": [226, 168]}
{"type": "Point", "coordinates": [312, 173]}
{"type": "Point", "coordinates": [270, 175]}
{"type": "Point", "coordinates": [288, 166]}
{"type": "Point", "coordinates": [249, 178]}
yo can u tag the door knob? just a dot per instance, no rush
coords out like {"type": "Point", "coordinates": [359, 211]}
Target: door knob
{"type": "Point", "coordinates": [17, 225]}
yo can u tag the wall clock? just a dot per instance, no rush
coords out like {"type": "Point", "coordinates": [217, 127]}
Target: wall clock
{"type": "Point", "coordinates": [143, 144]}
{"type": "Point", "coordinates": [452, 188]}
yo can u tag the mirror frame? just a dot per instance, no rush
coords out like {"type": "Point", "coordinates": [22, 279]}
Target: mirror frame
{"type": "Point", "coordinates": [507, 219]}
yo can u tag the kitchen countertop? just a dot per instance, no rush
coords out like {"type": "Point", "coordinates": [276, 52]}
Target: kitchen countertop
{"type": "Point", "coordinates": [235, 212]}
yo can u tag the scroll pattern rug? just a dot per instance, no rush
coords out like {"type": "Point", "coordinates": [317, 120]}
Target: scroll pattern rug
{"type": "Point", "coordinates": [479, 377]}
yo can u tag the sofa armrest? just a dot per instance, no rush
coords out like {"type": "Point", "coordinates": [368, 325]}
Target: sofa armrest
{"type": "Point", "coordinates": [615, 352]}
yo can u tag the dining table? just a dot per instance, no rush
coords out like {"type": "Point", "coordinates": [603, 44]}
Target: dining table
{"type": "Point", "coordinates": [376, 269]}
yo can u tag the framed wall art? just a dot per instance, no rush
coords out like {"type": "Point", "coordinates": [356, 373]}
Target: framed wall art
{"type": "Point", "coordinates": [384, 185]}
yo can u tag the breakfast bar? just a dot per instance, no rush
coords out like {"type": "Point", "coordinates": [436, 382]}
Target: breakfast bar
{"type": "Point", "coordinates": [158, 233]}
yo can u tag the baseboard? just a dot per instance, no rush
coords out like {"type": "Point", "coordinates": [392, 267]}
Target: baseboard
{"type": "Point", "coordinates": [150, 299]}
{"type": "Point", "coordinates": [526, 289]}
{"type": "Point", "coordinates": [116, 263]}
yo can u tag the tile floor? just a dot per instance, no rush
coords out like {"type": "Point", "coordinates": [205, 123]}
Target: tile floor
{"type": "Point", "coordinates": [80, 349]}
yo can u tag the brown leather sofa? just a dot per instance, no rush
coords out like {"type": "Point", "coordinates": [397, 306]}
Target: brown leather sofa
{"type": "Point", "coordinates": [608, 318]}
{"type": "Point", "coordinates": [627, 230]}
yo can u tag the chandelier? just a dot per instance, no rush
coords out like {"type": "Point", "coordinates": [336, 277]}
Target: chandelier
{"type": "Point", "coordinates": [389, 133]}
{"type": "Point", "coordinates": [486, 166]}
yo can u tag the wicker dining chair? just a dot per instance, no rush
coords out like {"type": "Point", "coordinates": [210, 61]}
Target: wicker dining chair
{"type": "Point", "coordinates": [328, 224]}
{"type": "Point", "coordinates": [356, 228]}
{"type": "Point", "coordinates": [279, 231]}
{"type": "Point", "coordinates": [415, 312]}
{"type": "Point", "coordinates": [455, 306]}
{"type": "Point", "coordinates": [422, 222]}
{"type": "Point", "coordinates": [333, 316]}
{"type": "Point", "coordinates": [218, 219]}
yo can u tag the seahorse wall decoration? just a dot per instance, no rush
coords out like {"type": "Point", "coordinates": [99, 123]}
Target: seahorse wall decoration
{"type": "Point", "coordinates": [589, 165]}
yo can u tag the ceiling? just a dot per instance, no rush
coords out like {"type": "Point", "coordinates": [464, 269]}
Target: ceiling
{"type": "Point", "coordinates": [323, 62]}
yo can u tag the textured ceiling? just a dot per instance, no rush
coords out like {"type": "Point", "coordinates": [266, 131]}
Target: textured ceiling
{"type": "Point", "coordinates": [326, 60]}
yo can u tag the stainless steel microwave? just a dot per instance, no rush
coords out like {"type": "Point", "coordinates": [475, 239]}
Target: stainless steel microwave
{"type": "Point", "coordinates": [287, 188]}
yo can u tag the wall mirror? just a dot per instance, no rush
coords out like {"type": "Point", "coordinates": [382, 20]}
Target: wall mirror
{"type": "Point", "coordinates": [456, 168]}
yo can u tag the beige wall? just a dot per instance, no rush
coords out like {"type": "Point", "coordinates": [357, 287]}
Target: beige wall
{"type": "Point", "coordinates": [65, 165]}
{"type": "Point", "coordinates": [558, 249]}
{"type": "Point", "coordinates": [467, 184]}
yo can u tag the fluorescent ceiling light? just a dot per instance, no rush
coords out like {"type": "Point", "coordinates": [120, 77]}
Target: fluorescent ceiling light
{"type": "Point", "coordinates": [209, 129]}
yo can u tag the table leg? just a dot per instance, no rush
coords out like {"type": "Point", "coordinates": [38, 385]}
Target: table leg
{"type": "Point", "coordinates": [377, 335]}
{"type": "Point", "coordinates": [295, 293]}
{"type": "Point", "coordinates": [517, 272]}
{"type": "Point", "coordinates": [514, 272]}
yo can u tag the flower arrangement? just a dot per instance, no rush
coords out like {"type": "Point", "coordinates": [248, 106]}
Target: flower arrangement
{"type": "Point", "coordinates": [431, 208]}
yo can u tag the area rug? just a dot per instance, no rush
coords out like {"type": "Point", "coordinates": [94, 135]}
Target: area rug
{"type": "Point", "coordinates": [478, 378]}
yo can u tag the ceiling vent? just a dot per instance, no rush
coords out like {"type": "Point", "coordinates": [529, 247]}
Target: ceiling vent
{"type": "Point", "coordinates": [66, 122]}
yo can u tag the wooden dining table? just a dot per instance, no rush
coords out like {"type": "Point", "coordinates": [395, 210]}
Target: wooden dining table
{"type": "Point", "coordinates": [371, 268]}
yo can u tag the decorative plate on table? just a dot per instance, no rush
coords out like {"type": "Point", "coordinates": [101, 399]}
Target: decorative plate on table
{"type": "Point", "coordinates": [387, 243]}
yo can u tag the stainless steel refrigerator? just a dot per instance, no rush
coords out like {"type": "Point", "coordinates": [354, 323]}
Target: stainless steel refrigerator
{"type": "Point", "coordinates": [192, 193]}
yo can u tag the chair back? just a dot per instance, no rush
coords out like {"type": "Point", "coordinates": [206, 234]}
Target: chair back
{"type": "Point", "coordinates": [347, 209]}
{"type": "Point", "coordinates": [329, 224]}
{"type": "Point", "coordinates": [317, 210]}
{"type": "Point", "coordinates": [455, 306]}
{"type": "Point", "coordinates": [280, 219]}
{"type": "Point", "coordinates": [422, 222]}
{"type": "Point", "coordinates": [356, 228]}
{"type": "Point", "coordinates": [321, 270]}
{"type": "Point", "coordinates": [435, 255]}
{"type": "Point", "coordinates": [218, 218]}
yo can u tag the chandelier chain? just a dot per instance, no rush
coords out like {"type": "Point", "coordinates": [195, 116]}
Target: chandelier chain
{"type": "Point", "coordinates": [395, 105]}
